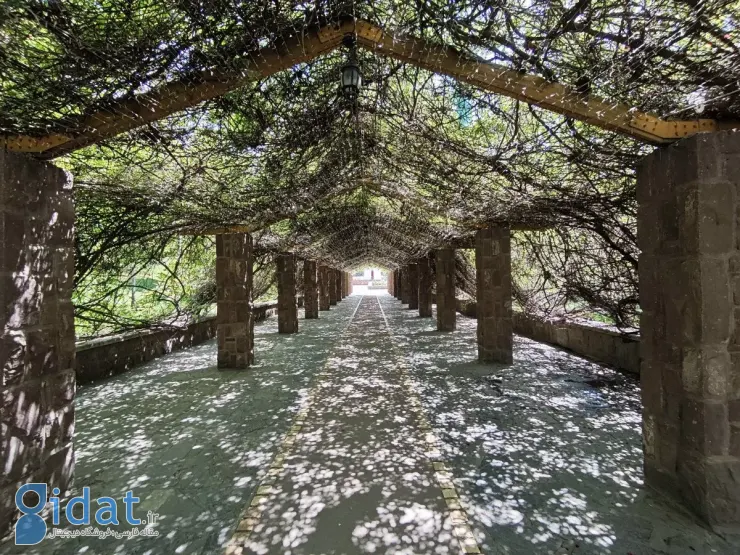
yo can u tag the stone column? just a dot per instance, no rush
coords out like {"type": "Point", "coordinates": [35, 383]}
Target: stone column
{"type": "Point", "coordinates": [350, 286]}
{"type": "Point", "coordinates": [324, 298]}
{"type": "Point", "coordinates": [446, 304]}
{"type": "Point", "coordinates": [425, 287]}
{"type": "Point", "coordinates": [310, 290]}
{"type": "Point", "coordinates": [287, 309]}
{"type": "Point", "coordinates": [332, 286]}
{"type": "Point", "coordinates": [397, 284]}
{"type": "Point", "coordinates": [233, 295]}
{"type": "Point", "coordinates": [493, 292]}
{"type": "Point", "coordinates": [405, 289]}
{"type": "Point", "coordinates": [342, 285]}
{"type": "Point", "coordinates": [413, 286]}
{"type": "Point", "coordinates": [389, 282]}
{"type": "Point", "coordinates": [338, 284]}
{"type": "Point", "coordinates": [689, 273]}
{"type": "Point", "coordinates": [37, 337]}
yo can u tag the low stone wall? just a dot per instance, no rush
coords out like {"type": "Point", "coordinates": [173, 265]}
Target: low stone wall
{"type": "Point", "coordinates": [108, 356]}
{"type": "Point", "coordinates": [466, 307]}
{"type": "Point", "coordinates": [597, 343]}
{"type": "Point", "coordinates": [602, 345]}
{"type": "Point", "coordinates": [378, 285]}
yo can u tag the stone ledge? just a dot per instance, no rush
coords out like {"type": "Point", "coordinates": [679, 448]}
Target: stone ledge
{"type": "Point", "coordinates": [600, 343]}
{"type": "Point", "coordinates": [108, 356]}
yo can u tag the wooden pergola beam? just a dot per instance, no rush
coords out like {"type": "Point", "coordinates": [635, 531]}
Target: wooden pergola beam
{"type": "Point", "coordinates": [187, 92]}
{"type": "Point", "coordinates": [179, 95]}
{"type": "Point", "coordinates": [531, 89]}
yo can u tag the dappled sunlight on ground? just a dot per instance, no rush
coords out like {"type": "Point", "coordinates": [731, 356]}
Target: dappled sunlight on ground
{"type": "Point", "coordinates": [191, 440]}
{"type": "Point", "coordinates": [547, 451]}
{"type": "Point", "coordinates": [358, 479]}
{"type": "Point", "coordinates": [357, 435]}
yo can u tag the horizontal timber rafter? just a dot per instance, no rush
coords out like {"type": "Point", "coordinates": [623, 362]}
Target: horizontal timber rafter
{"type": "Point", "coordinates": [179, 95]}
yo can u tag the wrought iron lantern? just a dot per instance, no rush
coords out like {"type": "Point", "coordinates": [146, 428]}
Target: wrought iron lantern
{"type": "Point", "coordinates": [351, 76]}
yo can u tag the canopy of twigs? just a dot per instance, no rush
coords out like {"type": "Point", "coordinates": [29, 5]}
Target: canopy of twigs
{"type": "Point", "coordinates": [416, 162]}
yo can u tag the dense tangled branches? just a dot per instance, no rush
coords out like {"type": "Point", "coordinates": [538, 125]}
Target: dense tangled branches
{"type": "Point", "coordinates": [419, 160]}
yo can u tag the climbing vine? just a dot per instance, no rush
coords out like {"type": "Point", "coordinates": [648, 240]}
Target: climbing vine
{"type": "Point", "coordinates": [419, 161]}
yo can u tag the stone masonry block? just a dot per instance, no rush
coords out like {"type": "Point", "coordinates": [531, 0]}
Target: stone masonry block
{"type": "Point", "coordinates": [324, 286]}
{"type": "Point", "coordinates": [332, 281]}
{"type": "Point", "coordinates": [310, 289]}
{"type": "Point", "coordinates": [493, 294]}
{"type": "Point", "coordinates": [425, 287]}
{"type": "Point", "coordinates": [287, 307]}
{"type": "Point", "coordinates": [446, 302]}
{"type": "Point", "coordinates": [413, 286]}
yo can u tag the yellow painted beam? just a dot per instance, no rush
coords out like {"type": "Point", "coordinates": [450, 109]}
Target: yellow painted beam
{"type": "Point", "coordinates": [25, 143]}
{"type": "Point", "coordinates": [530, 88]}
{"type": "Point", "coordinates": [179, 95]}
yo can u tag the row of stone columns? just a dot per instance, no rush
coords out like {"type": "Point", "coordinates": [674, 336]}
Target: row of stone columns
{"type": "Point", "coordinates": [323, 287]}
{"type": "Point", "coordinates": [413, 284]}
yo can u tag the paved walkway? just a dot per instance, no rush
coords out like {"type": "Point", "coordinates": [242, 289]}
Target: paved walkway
{"type": "Point", "coordinates": [357, 475]}
{"type": "Point", "coordinates": [366, 433]}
